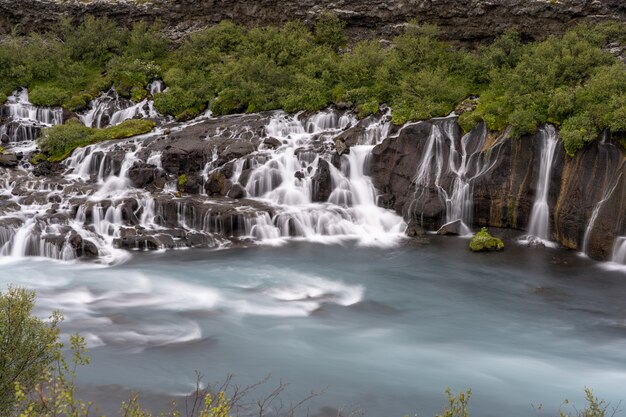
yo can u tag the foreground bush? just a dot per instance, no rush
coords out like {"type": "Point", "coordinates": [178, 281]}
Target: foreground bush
{"type": "Point", "coordinates": [28, 345]}
{"type": "Point", "coordinates": [59, 141]}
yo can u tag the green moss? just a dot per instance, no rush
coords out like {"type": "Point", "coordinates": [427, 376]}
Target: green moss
{"type": "Point", "coordinates": [483, 241]}
{"type": "Point", "coordinates": [182, 181]}
{"type": "Point", "coordinates": [2, 150]}
{"type": "Point", "coordinates": [38, 158]}
{"type": "Point", "coordinates": [58, 142]}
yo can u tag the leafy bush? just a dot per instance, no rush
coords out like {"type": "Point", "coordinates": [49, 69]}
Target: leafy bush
{"type": "Point", "coordinates": [483, 241]}
{"type": "Point", "coordinates": [28, 345]}
{"type": "Point", "coordinates": [59, 141]}
{"type": "Point", "coordinates": [329, 30]}
{"type": "Point", "coordinates": [47, 95]}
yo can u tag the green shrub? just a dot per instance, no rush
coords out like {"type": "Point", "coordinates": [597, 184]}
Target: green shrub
{"type": "Point", "coordinates": [568, 81]}
{"type": "Point", "coordinates": [128, 74]}
{"type": "Point", "coordinates": [28, 345]}
{"type": "Point", "coordinates": [483, 241]}
{"type": "Point", "coordinates": [182, 181]}
{"type": "Point", "coordinates": [576, 131]}
{"type": "Point", "coordinates": [329, 30]}
{"type": "Point", "coordinates": [47, 95]}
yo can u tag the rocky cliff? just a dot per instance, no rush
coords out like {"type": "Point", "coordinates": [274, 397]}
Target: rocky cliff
{"type": "Point", "coordinates": [429, 170]}
{"type": "Point", "coordinates": [464, 21]}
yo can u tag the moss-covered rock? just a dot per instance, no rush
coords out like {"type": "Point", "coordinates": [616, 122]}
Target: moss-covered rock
{"type": "Point", "coordinates": [58, 142]}
{"type": "Point", "coordinates": [483, 241]}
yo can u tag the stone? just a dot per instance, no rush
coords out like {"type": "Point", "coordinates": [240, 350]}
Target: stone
{"type": "Point", "coordinates": [272, 143]}
{"type": "Point", "coordinates": [141, 174]}
{"type": "Point", "coordinates": [340, 146]}
{"type": "Point", "coordinates": [8, 159]}
{"type": "Point", "coordinates": [455, 228]}
{"type": "Point", "coordinates": [237, 191]}
{"type": "Point", "coordinates": [322, 182]}
{"type": "Point", "coordinates": [217, 184]}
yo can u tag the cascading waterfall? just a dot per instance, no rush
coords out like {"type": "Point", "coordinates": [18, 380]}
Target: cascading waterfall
{"type": "Point", "coordinates": [93, 207]}
{"type": "Point", "coordinates": [286, 178]}
{"type": "Point", "coordinates": [612, 177]}
{"type": "Point", "coordinates": [110, 109]}
{"type": "Point", "coordinates": [446, 154]}
{"type": "Point", "coordinates": [539, 224]}
{"type": "Point", "coordinates": [24, 121]}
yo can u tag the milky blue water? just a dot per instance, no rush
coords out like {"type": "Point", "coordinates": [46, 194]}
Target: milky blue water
{"type": "Point", "coordinates": [383, 330]}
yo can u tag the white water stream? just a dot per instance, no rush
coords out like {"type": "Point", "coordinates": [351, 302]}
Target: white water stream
{"type": "Point", "coordinates": [539, 224]}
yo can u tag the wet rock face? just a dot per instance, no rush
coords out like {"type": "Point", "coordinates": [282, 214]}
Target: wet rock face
{"type": "Point", "coordinates": [587, 193]}
{"type": "Point", "coordinates": [322, 182]}
{"type": "Point", "coordinates": [466, 21]}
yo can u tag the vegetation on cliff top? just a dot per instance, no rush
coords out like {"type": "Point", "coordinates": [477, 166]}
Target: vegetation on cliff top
{"type": "Point", "coordinates": [569, 81]}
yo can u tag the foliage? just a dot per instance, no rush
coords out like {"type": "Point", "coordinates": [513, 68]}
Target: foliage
{"type": "Point", "coordinates": [483, 241]}
{"type": "Point", "coordinates": [182, 181]}
{"type": "Point", "coordinates": [569, 81]}
{"type": "Point", "coordinates": [329, 30]}
{"type": "Point", "coordinates": [457, 406]}
{"type": "Point", "coordinates": [28, 344]}
{"type": "Point", "coordinates": [593, 408]}
{"type": "Point", "coordinates": [58, 142]}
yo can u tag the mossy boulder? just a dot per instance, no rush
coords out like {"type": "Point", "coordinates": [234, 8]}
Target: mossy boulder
{"type": "Point", "coordinates": [59, 141]}
{"type": "Point", "coordinates": [484, 242]}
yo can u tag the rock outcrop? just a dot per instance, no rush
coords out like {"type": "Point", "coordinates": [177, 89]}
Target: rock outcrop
{"type": "Point", "coordinates": [464, 21]}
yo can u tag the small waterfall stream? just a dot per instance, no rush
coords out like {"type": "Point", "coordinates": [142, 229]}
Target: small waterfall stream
{"type": "Point", "coordinates": [619, 251]}
{"type": "Point", "coordinates": [539, 224]}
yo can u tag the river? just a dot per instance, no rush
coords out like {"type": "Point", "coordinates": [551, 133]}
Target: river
{"type": "Point", "coordinates": [381, 330]}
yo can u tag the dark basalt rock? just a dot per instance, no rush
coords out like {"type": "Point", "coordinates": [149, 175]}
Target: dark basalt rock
{"type": "Point", "coordinates": [47, 169]}
{"type": "Point", "coordinates": [322, 182]}
{"type": "Point", "coordinates": [142, 174]}
{"type": "Point", "coordinates": [217, 184]}
{"type": "Point", "coordinates": [504, 195]}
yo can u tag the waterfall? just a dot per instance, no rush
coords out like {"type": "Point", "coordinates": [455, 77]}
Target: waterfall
{"type": "Point", "coordinates": [539, 224]}
{"type": "Point", "coordinates": [286, 177]}
{"type": "Point", "coordinates": [619, 250]}
{"type": "Point", "coordinates": [110, 109]}
{"type": "Point", "coordinates": [446, 156]}
{"type": "Point", "coordinates": [24, 122]}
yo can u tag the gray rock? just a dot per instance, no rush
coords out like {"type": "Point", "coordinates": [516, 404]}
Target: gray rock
{"type": "Point", "coordinates": [8, 159]}
{"type": "Point", "coordinates": [272, 143]}
{"type": "Point", "coordinates": [237, 191]}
